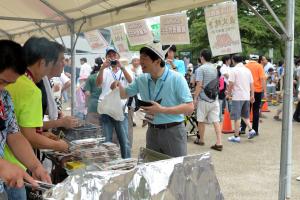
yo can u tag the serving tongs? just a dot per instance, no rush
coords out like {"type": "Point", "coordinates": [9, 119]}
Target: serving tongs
{"type": "Point", "coordinates": [43, 186]}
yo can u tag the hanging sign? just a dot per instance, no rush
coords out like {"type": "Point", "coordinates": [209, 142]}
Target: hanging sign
{"type": "Point", "coordinates": [138, 33]}
{"type": "Point", "coordinates": [95, 40]}
{"type": "Point", "coordinates": [119, 38]}
{"type": "Point", "coordinates": [174, 29]}
{"type": "Point", "coordinates": [223, 28]}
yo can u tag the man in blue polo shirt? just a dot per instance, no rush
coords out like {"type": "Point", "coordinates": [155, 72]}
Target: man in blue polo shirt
{"type": "Point", "coordinates": [166, 133]}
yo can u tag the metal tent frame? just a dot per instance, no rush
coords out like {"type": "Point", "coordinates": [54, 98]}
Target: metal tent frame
{"type": "Point", "coordinates": [287, 36]}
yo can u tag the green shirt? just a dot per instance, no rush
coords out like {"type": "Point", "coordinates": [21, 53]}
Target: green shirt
{"type": "Point", "coordinates": [27, 100]}
{"type": "Point", "coordinates": [95, 92]}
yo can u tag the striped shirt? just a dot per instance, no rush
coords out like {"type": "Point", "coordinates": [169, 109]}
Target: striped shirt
{"type": "Point", "coordinates": [205, 73]}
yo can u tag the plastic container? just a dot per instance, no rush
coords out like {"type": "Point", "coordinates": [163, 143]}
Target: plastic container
{"type": "Point", "coordinates": [87, 130]}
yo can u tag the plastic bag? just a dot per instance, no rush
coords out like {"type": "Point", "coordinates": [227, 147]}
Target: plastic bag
{"type": "Point", "coordinates": [112, 105]}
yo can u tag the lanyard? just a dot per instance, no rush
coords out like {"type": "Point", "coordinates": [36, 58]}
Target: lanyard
{"type": "Point", "coordinates": [114, 75]}
{"type": "Point", "coordinates": [160, 89]}
{"type": "Point", "coordinates": [2, 111]}
{"type": "Point", "coordinates": [29, 75]}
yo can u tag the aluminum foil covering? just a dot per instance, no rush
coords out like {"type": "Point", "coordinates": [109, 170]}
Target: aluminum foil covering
{"type": "Point", "coordinates": [184, 178]}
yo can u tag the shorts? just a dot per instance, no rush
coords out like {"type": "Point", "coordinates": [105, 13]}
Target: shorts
{"type": "Point", "coordinates": [208, 112]}
{"type": "Point", "coordinates": [271, 90]}
{"type": "Point", "coordinates": [240, 109]}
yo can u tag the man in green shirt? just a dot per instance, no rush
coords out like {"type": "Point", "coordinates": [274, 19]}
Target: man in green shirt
{"type": "Point", "coordinates": [92, 93]}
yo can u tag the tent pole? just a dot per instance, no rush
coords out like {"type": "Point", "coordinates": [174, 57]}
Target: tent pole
{"type": "Point", "coordinates": [73, 72]}
{"type": "Point", "coordinates": [286, 136]}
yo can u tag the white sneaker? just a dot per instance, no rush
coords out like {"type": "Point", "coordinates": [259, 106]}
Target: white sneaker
{"type": "Point", "coordinates": [234, 139]}
{"type": "Point", "coordinates": [298, 178]}
{"type": "Point", "coordinates": [251, 134]}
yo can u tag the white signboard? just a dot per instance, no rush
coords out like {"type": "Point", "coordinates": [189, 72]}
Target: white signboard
{"type": "Point", "coordinates": [95, 40]}
{"type": "Point", "coordinates": [223, 29]}
{"type": "Point", "coordinates": [174, 29]}
{"type": "Point", "coordinates": [120, 40]}
{"type": "Point", "coordinates": [138, 33]}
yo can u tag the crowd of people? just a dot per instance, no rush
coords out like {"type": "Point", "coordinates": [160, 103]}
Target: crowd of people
{"type": "Point", "coordinates": [34, 81]}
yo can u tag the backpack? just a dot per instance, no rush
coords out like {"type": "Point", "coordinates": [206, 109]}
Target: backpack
{"type": "Point", "coordinates": [211, 90]}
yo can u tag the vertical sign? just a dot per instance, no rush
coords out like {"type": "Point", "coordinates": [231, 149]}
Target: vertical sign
{"type": "Point", "coordinates": [138, 32]}
{"type": "Point", "coordinates": [95, 40]}
{"type": "Point", "coordinates": [119, 38]}
{"type": "Point", "coordinates": [223, 28]}
{"type": "Point", "coordinates": [174, 29]}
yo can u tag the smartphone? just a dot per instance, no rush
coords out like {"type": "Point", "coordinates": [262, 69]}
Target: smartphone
{"type": "Point", "coordinates": [145, 103]}
{"type": "Point", "coordinates": [113, 62]}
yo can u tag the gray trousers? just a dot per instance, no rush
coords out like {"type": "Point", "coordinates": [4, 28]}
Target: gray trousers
{"type": "Point", "coordinates": [171, 141]}
{"type": "Point", "coordinates": [3, 196]}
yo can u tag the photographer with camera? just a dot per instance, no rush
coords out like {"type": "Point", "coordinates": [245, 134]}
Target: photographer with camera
{"type": "Point", "coordinates": [111, 71]}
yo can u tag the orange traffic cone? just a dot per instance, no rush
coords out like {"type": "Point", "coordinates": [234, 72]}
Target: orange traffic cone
{"type": "Point", "coordinates": [265, 107]}
{"type": "Point", "coordinates": [251, 115]}
{"type": "Point", "coordinates": [227, 128]}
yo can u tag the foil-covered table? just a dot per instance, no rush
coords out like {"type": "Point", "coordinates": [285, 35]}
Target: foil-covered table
{"type": "Point", "coordinates": [182, 178]}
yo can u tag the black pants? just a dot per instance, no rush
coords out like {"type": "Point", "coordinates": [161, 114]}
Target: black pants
{"type": "Point", "coordinates": [256, 107]}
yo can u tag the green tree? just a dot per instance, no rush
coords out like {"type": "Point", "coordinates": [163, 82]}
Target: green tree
{"type": "Point", "coordinates": [255, 35]}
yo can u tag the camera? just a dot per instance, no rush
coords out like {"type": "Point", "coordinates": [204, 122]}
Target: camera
{"type": "Point", "coordinates": [113, 62]}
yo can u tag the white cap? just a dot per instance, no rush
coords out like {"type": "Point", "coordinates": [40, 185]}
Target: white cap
{"type": "Point", "coordinates": [157, 48]}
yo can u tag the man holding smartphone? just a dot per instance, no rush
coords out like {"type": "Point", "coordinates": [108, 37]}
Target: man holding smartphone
{"type": "Point", "coordinates": [166, 132]}
{"type": "Point", "coordinates": [111, 71]}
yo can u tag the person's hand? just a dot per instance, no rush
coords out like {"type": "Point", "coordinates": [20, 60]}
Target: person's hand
{"type": "Point", "coordinates": [154, 109]}
{"type": "Point", "coordinates": [106, 64]}
{"type": "Point", "coordinates": [265, 95]}
{"type": "Point", "coordinates": [114, 85]}
{"type": "Point", "coordinates": [61, 146]}
{"type": "Point", "coordinates": [14, 176]}
{"type": "Point", "coordinates": [169, 61]}
{"type": "Point", "coordinates": [252, 99]}
{"type": "Point", "coordinates": [118, 64]}
{"type": "Point", "coordinates": [69, 122]}
{"type": "Point", "coordinates": [40, 173]}
{"type": "Point", "coordinates": [56, 88]}
{"type": "Point", "coordinates": [50, 135]}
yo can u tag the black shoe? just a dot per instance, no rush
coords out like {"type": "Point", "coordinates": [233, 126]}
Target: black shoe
{"type": "Point", "coordinates": [134, 124]}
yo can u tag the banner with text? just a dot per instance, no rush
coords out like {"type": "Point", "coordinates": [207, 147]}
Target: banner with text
{"type": "Point", "coordinates": [174, 29]}
{"type": "Point", "coordinates": [95, 40]}
{"type": "Point", "coordinates": [138, 33]}
{"type": "Point", "coordinates": [223, 29]}
{"type": "Point", "coordinates": [119, 38]}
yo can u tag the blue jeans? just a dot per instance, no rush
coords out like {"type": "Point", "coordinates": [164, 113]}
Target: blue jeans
{"type": "Point", "coordinates": [121, 128]}
{"type": "Point", "coordinates": [16, 193]}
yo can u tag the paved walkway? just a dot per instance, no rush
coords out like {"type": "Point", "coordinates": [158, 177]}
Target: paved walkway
{"type": "Point", "coordinates": [249, 170]}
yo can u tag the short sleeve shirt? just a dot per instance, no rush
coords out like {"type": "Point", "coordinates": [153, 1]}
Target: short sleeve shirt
{"type": "Point", "coordinates": [10, 122]}
{"type": "Point", "coordinates": [241, 78]}
{"type": "Point", "coordinates": [258, 75]}
{"type": "Point", "coordinates": [95, 92]}
{"type": "Point", "coordinates": [171, 88]}
{"type": "Point", "coordinates": [180, 66]}
{"type": "Point", "coordinates": [27, 100]}
{"type": "Point", "coordinates": [206, 73]}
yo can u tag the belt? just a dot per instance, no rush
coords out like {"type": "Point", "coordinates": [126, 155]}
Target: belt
{"type": "Point", "coordinates": [164, 126]}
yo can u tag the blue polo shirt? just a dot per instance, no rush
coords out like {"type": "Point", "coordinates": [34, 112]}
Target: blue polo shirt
{"type": "Point", "coordinates": [180, 66]}
{"type": "Point", "coordinates": [171, 88]}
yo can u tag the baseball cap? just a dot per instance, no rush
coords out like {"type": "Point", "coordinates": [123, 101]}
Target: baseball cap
{"type": "Point", "coordinates": [109, 49]}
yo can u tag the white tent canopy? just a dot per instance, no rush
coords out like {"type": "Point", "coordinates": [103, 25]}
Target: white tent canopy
{"type": "Point", "coordinates": [21, 19]}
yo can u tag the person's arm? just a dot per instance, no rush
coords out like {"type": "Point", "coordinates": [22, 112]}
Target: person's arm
{"type": "Point", "coordinates": [252, 99]}
{"type": "Point", "coordinates": [185, 108]}
{"type": "Point", "coordinates": [41, 142]}
{"type": "Point", "coordinates": [65, 122]}
{"type": "Point", "coordinates": [66, 86]}
{"type": "Point", "coordinates": [197, 91]}
{"type": "Point", "coordinates": [24, 153]}
{"type": "Point", "coordinates": [229, 88]}
{"type": "Point", "coordinates": [100, 78]}
{"type": "Point", "coordinates": [13, 175]}
{"type": "Point", "coordinates": [126, 74]}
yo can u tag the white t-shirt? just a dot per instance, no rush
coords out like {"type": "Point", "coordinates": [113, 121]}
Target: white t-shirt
{"type": "Point", "coordinates": [242, 79]}
{"type": "Point", "coordinates": [267, 67]}
{"type": "Point", "coordinates": [225, 70]}
{"type": "Point", "coordinates": [60, 82]}
{"type": "Point", "coordinates": [85, 71]}
{"type": "Point", "coordinates": [108, 78]}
